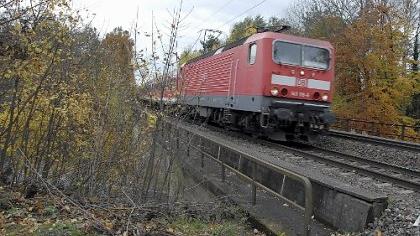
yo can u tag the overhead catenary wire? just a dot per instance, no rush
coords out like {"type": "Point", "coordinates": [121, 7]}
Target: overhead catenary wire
{"type": "Point", "coordinates": [196, 41]}
{"type": "Point", "coordinates": [243, 13]}
{"type": "Point", "coordinates": [208, 17]}
{"type": "Point", "coordinates": [214, 13]}
{"type": "Point", "coordinates": [229, 21]}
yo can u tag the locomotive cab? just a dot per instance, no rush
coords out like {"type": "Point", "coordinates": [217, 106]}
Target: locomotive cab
{"type": "Point", "coordinates": [299, 90]}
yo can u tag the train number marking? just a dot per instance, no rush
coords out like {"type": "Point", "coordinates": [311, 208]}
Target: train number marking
{"type": "Point", "coordinates": [300, 94]}
{"type": "Point", "coordinates": [304, 95]}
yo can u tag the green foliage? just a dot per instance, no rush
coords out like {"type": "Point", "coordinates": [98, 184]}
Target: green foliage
{"type": "Point", "coordinates": [189, 226]}
{"type": "Point", "coordinates": [187, 55]}
{"type": "Point", "coordinates": [246, 27]}
{"type": "Point", "coordinates": [50, 211]}
{"type": "Point", "coordinates": [58, 229]}
{"type": "Point", "coordinates": [5, 201]}
{"type": "Point", "coordinates": [249, 26]}
{"type": "Point", "coordinates": [211, 43]}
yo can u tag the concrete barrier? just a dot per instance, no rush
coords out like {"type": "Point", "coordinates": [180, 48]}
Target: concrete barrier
{"type": "Point", "coordinates": [336, 204]}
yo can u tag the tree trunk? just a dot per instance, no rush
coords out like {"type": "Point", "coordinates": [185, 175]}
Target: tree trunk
{"type": "Point", "coordinates": [415, 66]}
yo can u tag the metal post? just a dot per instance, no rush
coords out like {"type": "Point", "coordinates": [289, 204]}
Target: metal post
{"type": "Point", "coordinates": [308, 206]}
{"type": "Point", "coordinates": [222, 165]}
{"type": "Point", "coordinates": [202, 153]}
{"type": "Point", "coordinates": [254, 186]}
{"type": "Point", "coordinates": [177, 139]}
{"type": "Point", "coordinates": [378, 131]}
{"type": "Point", "coordinates": [348, 125]}
{"type": "Point", "coordinates": [282, 185]}
{"type": "Point", "coordinates": [239, 162]}
{"type": "Point", "coordinates": [223, 172]}
{"type": "Point", "coordinates": [402, 132]}
{"type": "Point", "coordinates": [188, 146]}
{"type": "Point", "coordinates": [372, 128]}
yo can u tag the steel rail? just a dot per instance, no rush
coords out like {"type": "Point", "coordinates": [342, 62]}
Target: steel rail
{"type": "Point", "coordinates": [342, 164]}
{"type": "Point", "coordinates": [377, 164]}
{"type": "Point", "coordinates": [376, 140]}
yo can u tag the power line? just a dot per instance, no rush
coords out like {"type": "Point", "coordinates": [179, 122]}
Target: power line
{"type": "Point", "coordinates": [214, 13]}
{"type": "Point", "coordinates": [196, 41]}
{"type": "Point", "coordinates": [211, 15]}
{"type": "Point", "coordinates": [218, 10]}
{"type": "Point", "coordinates": [243, 13]}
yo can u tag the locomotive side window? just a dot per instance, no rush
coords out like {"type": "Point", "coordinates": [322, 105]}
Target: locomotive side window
{"type": "Point", "coordinates": [287, 53]}
{"type": "Point", "coordinates": [252, 54]}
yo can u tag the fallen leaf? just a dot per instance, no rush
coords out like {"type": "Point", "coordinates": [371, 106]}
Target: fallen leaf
{"type": "Point", "coordinates": [66, 208]}
{"type": "Point", "coordinates": [109, 225]}
{"type": "Point", "coordinates": [2, 219]}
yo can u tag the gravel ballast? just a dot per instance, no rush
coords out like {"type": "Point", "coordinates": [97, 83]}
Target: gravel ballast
{"type": "Point", "coordinates": [381, 153]}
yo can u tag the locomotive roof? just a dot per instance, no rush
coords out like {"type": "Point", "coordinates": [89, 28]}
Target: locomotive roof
{"type": "Point", "coordinates": [254, 37]}
{"type": "Point", "coordinates": [225, 48]}
{"type": "Point", "coordinates": [290, 38]}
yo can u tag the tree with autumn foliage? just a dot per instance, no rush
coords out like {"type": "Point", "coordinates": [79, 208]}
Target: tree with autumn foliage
{"type": "Point", "coordinates": [45, 103]}
{"type": "Point", "coordinates": [371, 80]}
{"type": "Point", "coordinates": [374, 43]}
{"type": "Point", "coordinates": [67, 108]}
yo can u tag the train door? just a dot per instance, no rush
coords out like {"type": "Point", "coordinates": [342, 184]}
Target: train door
{"type": "Point", "coordinates": [232, 97]}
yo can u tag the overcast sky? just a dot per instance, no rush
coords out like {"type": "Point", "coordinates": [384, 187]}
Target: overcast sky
{"type": "Point", "coordinates": [214, 14]}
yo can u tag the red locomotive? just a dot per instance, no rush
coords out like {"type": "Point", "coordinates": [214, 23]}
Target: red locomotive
{"type": "Point", "coordinates": [273, 84]}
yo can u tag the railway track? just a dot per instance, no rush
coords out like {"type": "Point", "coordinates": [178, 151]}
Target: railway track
{"type": "Point", "coordinates": [398, 175]}
{"type": "Point", "coordinates": [376, 140]}
{"type": "Point", "coordinates": [401, 176]}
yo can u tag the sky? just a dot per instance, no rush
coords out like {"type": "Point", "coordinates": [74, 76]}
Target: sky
{"type": "Point", "coordinates": [105, 15]}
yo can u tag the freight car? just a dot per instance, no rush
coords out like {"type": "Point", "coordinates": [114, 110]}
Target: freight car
{"type": "Point", "coordinates": [271, 84]}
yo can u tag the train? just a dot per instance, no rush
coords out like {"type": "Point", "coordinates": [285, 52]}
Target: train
{"type": "Point", "coordinates": [270, 84]}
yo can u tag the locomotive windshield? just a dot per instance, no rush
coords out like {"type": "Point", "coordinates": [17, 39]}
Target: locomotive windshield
{"type": "Point", "coordinates": [301, 55]}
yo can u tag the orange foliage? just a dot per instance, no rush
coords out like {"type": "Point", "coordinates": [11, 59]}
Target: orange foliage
{"type": "Point", "coordinates": [372, 81]}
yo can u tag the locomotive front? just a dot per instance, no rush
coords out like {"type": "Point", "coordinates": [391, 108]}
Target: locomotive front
{"type": "Point", "coordinates": [299, 87]}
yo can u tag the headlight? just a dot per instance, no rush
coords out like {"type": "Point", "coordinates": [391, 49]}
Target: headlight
{"type": "Point", "coordinates": [284, 92]}
{"type": "Point", "coordinates": [274, 91]}
{"type": "Point", "coordinates": [325, 97]}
